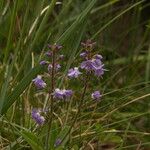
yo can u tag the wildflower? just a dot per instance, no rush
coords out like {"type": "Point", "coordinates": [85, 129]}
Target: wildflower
{"type": "Point", "coordinates": [68, 93]}
{"type": "Point", "coordinates": [58, 94]}
{"type": "Point", "coordinates": [62, 94]}
{"type": "Point", "coordinates": [74, 72]}
{"type": "Point", "coordinates": [97, 56]}
{"type": "Point", "coordinates": [43, 62]}
{"type": "Point", "coordinates": [39, 83]}
{"type": "Point", "coordinates": [98, 67]}
{"type": "Point", "coordinates": [87, 65]}
{"type": "Point", "coordinates": [96, 62]}
{"type": "Point", "coordinates": [49, 67]}
{"type": "Point", "coordinates": [57, 142]}
{"type": "Point", "coordinates": [39, 119]}
{"type": "Point", "coordinates": [57, 67]}
{"type": "Point", "coordinates": [99, 71]}
{"type": "Point", "coordinates": [48, 53]}
{"type": "Point", "coordinates": [83, 54]}
{"type": "Point", "coordinates": [94, 65]}
{"type": "Point", "coordinates": [96, 95]}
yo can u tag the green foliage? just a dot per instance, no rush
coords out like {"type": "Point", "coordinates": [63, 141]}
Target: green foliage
{"type": "Point", "coordinates": [121, 31]}
{"type": "Point", "coordinates": [19, 89]}
{"type": "Point", "coordinates": [63, 135]}
{"type": "Point", "coordinates": [33, 140]}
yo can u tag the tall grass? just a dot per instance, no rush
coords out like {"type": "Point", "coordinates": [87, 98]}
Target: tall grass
{"type": "Point", "coordinates": [121, 119]}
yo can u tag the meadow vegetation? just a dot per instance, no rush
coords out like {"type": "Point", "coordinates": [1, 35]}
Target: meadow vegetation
{"type": "Point", "coordinates": [74, 74]}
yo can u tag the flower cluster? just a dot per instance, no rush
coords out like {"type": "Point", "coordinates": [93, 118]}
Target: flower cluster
{"type": "Point", "coordinates": [57, 67]}
{"type": "Point", "coordinates": [95, 64]}
{"type": "Point", "coordinates": [74, 72]}
{"type": "Point", "coordinates": [39, 119]}
{"type": "Point", "coordinates": [62, 94]}
{"type": "Point", "coordinates": [91, 64]}
{"type": "Point", "coordinates": [96, 95]}
{"type": "Point", "coordinates": [39, 83]}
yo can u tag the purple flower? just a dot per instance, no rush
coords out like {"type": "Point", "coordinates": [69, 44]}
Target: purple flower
{"type": "Point", "coordinates": [98, 67]}
{"type": "Point", "coordinates": [68, 93]}
{"type": "Point", "coordinates": [87, 65]}
{"type": "Point", "coordinates": [49, 67]}
{"type": "Point", "coordinates": [43, 62]}
{"type": "Point", "coordinates": [48, 53]}
{"type": "Point", "coordinates": [57, 142]}
{"type": "Point", "coordinates": [74, 72]}
{"type": "Point", "coordinates": [94, 65]}
{"type": "Point", "coordinates": [97, 56]}
{"type": "Point", "coordinates": [39, 83]}
{"type": "Point", "coordinates": [62, 94]}
{"type": "Point", "coordinates": [57, 67]}
{"type": "Point", "coordinates": [96, 95]}
{"type": "Point", "coordinates": [83, 54]}
{"type": "Point", "coordinates": [99, 71]}
{"type": "Point", "coordinates": [39, 119]}
{"type": "Point", "coordinates": [58, 94]}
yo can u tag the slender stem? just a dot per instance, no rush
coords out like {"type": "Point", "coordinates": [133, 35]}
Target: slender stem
{"type": "Point", "coordinates": [79, 107]}
{"type": "Point", "coordinates": [68, 110]}
{"type": "Point", "coordinates": [51, 99]}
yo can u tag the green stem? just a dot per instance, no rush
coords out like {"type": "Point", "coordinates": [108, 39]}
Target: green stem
{"type": "Point", "coordinates": [79, 107]}
{"type": "Point", "coordinates": [51, 98]}
{"type": "Point", "coordinates": [11, 31]}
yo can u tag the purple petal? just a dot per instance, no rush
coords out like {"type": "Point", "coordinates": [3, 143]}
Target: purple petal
{"type": "Point", "coordinates": [96, 95]}
{"type": "Point", "coordinates": [97, 56]}
{"type": "Point", "coordinates": [57, 142]}
{"type": "Point", "coordinates": [74, 72]}
{"type": "Point", "coordinates": [43, 62]}
{"type": "Point", "coordinates": [39, 83]}
{"type": "Point", "coordinates": [62, 94]}
{"type": "Point", "coordinates": [68, 93]}
{"type": "Point", "coordinates": [37, 117]}
{"type": "Point", "coordinates": [83, 54]}
{"type": "Point", "coordinates": [48, 53]}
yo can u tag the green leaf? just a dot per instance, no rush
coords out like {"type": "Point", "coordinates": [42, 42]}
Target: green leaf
{"type": "Point", "coordinates": [32, 140]}
{"type": "Point", "coordinates": [77, 22]}
{"type": "Point", "coordinates": [112, 137]}
{"type": "Point", "coordinates": [116, 139]}
{"type": "Point", "coordinates": [75, 147]}
{"type": "Point", "coordinates": [115, 18]}
{"type": "Point", "coordinates": [72, 36]}
{"type": "Point", "coordinates": [63, 135]}
{"type": "Point", "coordinates": [18, 90]}
{"type": "Point", "coordinates": [11, 30]}
{"type": "Point", "coordinates": [53, 134]}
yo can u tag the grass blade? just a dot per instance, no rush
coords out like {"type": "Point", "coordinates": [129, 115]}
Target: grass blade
{"type": "Point", "coordinates": [32, 140]}
{"type": "Point", "coordinates": [18, 90]}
